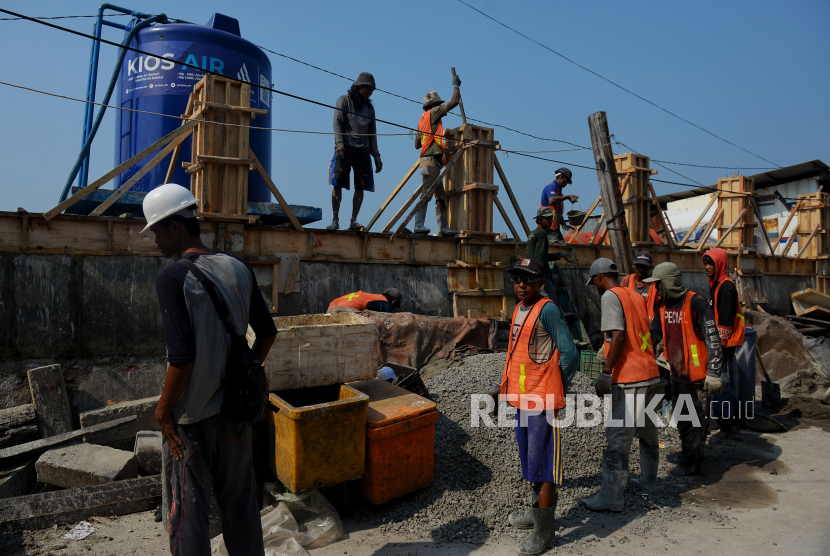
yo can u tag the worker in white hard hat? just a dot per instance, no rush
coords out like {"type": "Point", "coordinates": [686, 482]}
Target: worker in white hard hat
{"type": "Point", "coordinates": [202, 448]}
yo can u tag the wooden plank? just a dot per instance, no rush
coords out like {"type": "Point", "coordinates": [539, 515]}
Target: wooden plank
{"type": "Point", "coordinates": [97, 434]}
{"type": "Point", "coordinates": [222, 106]}
{"type": "Point", "coordinates": [185, 128]}
{"type": "Point", "coordinates": [505, 217]}
{"type": "Point", "coordinates": [787, 223]}
{"type": "Point", "coordinates": [599, 228]}
{"type": "Point", "coordinates": [392, 196]}
{"type": "Point", "coordinates": [691, 231]}
{"type": "Point", "coordinates": [790, 241]}
{"type": "Point", "coordinates": [177, 151]}
{"type": "Point", "coordinates": [585, 220]}
{"type": "Point", "coordinates": [275, 288]}
{"type": "Point", "coordinates": [51, 402]}
{"type": "Point", "coordinates": [819, 313]}
{"type": "Point", "coordinates": [709, 228]}
{"type": "Point", "coordinates": [763, 228]}
{"type": "Point", "coordinates": [275, 192]}
{"type": "Point", "coordinates": [722, 238]}
{"type": "Point", "coordinates": [656, 203]}
{"type": "Point", "coordinates": [403, 209]}
{"type": "Point", "coordinates": [509, 190]}
{"type": "Point", "coordinates": [293, 276]}
{"type": "Point", "coordinates": [118, 193]}
{"type": "Point", "coordinates": [610, 189]}
{"type": "Point", "coordinates": [805, 321]}
{"type": "Point", "coordinates": [809, 240]}
{"type": "Point", "coordinates": [38, 511]}
{"type": "Point", "coordinates": [804, 299]}
{"type": "Point", "coordinates": [225, 159]}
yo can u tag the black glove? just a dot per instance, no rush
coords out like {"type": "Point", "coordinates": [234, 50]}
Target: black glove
{"type": "Point", "coordinates": [603, 384]}
{"type": "Point", "coordinates": [378, 165]}
{"type": "Point", "coordinates": [456, 81]}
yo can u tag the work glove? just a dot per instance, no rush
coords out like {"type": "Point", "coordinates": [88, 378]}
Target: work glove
{"type": "Point", "coordinates": [378, 164]}
{"type": "Point", "coordinates": [456, 81]}
{"type": "Point", "coordinates": [603, 384]}
{"type": "Point", "coordinates": [713, 385]}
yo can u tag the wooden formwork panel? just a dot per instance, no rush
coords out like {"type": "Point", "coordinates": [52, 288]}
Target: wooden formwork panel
{"type": "Point", "coordinates": [469, 183]}
{"type": "Point", "coordinates": [464, 279]}
{"type": "Point", "coordinates": [814, 214]}
{"type": "Point", "coordinates": [636, 196]}
{"type": "Point", "coordinates": [472, 305]}
{"type": "Point", "coordinates": [733, 200]}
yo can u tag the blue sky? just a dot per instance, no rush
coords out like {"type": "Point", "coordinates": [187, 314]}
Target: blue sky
{"type": "Point", "coordinates": [752, 72]}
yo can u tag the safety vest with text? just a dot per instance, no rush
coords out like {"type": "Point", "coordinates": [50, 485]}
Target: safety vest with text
{"type": "Point", "coordinates": [525, 378]}
{"type": "Point", "coordinates": [694, 349]}
{"type": "Point", "coordinates": [357, 300]}
{"type": "Point", "coordinates": [427, 137]}
{"type": "Point", "coordinates": [737, 337]}
{"type": "Point", "coordinates": [650, 299]}
{"type": "Point", "coordinates": [636, 361]}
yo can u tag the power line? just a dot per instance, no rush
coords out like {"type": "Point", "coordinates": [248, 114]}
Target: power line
{"type": "Point", "coordinates": [616, 84]}
{"type": "Point", "coordinates": [719, 167]}
{"type": "Point", "coordinates": [59, 17]}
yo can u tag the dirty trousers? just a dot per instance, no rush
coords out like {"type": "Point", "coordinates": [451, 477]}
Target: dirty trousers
{"type": "Point", "coordinates": [217, 454]}
{"type": "Point", "coordinates": [692, 439]}
{"type": "Point", "coordinates": [634, 403]}
{"type": "Point", "coordinates": [430, 168]}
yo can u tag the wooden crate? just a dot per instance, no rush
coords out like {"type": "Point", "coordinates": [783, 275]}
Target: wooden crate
{"type": "Point", "coordinates": [469, 183]}
{"type": "Point", "coordinates": [636, 196]}
{"type": "Point", "coordinates": [733, 200]}
{"type": "Point", "coordinates": [220, 161]}
{"type": "Point", "coordinates": [814, 213]}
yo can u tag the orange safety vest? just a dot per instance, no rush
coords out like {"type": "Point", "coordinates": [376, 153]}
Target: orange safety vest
{"type": "Point", "coordinates": [650, 300]}
{"type": "Point", "coordinates": [427, 137]}
{"type": "Point", "coordinates": [357, 300]}
{"type": "Point", "coordinates": [694, 350]}
{"type": "Point", "coordinates": [737, 337]}
{"type": "Point", "coordinates": [525, 377]}
{"type": "Point", "coordinates": [636, 362]}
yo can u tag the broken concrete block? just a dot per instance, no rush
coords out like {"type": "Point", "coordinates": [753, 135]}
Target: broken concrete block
{"type": "Point", "coordinates": [144, 410]}
{"type": "Point", "coordinates": [17, 479]}
{"type": "Point", "coordinates": [100, 434]}
{"type": "Point", "coordinates": [148, 451]}
{"type": "Point", "coordinates": [85, 465]}
{"type": "Point", "coordinates": [48, 389]}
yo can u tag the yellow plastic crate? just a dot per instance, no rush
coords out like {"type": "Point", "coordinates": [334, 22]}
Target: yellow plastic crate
{"type": "Point", "coordinates": [318, 436]}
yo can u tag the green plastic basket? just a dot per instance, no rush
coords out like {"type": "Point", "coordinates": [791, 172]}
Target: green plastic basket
{"type": "Point", "coordinates": [589, 365]}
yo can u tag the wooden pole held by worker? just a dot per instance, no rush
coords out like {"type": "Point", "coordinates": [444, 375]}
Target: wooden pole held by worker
{"type": "Point", "coordinates": [460, 103]}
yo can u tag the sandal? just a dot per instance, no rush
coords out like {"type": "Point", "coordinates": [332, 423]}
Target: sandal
{"type": "Point", "coordinates": [355, 226]}
{"type": "Point", "coordinates": [333, 226]}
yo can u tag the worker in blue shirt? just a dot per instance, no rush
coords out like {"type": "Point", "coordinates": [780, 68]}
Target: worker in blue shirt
{"type": "Point", "coordinates": [553, 198]}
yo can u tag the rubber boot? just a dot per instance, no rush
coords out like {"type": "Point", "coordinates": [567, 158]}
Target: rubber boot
{"type": "Point", "coordinates": [420, 216]}
{"type": "Point", "coordinates": [614, 479]}
{"type": "Point", "coordinates": [525, 520]}
{"type": "Point", "coordinates": [544, 532]}
{"type": "Point", "coordinates": [443, 227]}
{"type": "Point", "coordinates": [649, 460]}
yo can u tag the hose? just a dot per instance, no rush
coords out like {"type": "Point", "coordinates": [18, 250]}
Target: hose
{"type": "Point", "coordinates": [161, 18]}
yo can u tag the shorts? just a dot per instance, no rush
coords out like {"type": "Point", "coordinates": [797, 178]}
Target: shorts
{"type": "Point", "coordinates": [540, 448]}
{"type": "Point", "coordinates": [361, 162]}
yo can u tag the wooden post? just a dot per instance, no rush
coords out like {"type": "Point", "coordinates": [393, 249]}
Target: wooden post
{"type": "Point", "coordinates": [790, 241]}
{"type": "Point", "coordinates": [669, 239]}
{"type": "Point", "coordinates": [403, 209]}
{"type": "Point", "coordinates": [722, 238]}
{"type": "Point", "coordinates": [609, 187]}
{"type": "Point", "coordinates": [809, 239]}
{"type": "Point", "coordinates": [787, 223]}
{"type": "Point", "coordinates": [598, 229]}
{"type": "Point", "coordinates": [699, 218]}
{"type": "Point", "coordinates": [506, 218]}
{"type": "Point", "coordinates": [509, 190]}
{"type": "Point", "coordinates": [460, 103]}
{"type": "Point", "coordinates": [392, 196]}
{"type": "Point", "coordinates": [763, 228]}
{"type": "Point", "coordinates": [277, 195]}
{"type": "Point", "coordinates": [585, 221]}
{"type": "Point", "coordinates": [709, 228]}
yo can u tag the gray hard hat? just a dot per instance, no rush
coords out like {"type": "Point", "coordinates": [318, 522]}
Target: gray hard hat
{"type": "Point", "coordinates": [602, 266]}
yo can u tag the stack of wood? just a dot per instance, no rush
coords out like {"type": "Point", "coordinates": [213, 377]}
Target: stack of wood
{"type": "Point", "coordinates": [812, 312]}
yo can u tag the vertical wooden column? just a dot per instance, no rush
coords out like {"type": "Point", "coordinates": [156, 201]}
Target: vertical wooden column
{"type": "Point", "coordinates": [814, 219]}
{"type": "Point", "coordinates": [737, 207]}
{"type": "Point", "coordinates": [637, 196]}
{"type": "Point", "coordinates": [609, 187]}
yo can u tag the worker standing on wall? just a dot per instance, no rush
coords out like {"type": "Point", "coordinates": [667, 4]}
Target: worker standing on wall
{"type": "Point", "coordinates": [723, 298]}
{"type": "Point", "coordinates": [355, 139]}
{"type": "Point", "coordinates": [553, 198]}
{"type": "Point", "coordinates": [386, 302]}
{"type": "Point", "coordinates": [541, 361]}
{"type": "Point", "coordinates": [537, 247]}
{"type": "Point", "coordinates": [631, 377]}
{"type": "Point", "coordinates": [430, 140]}
{"type": "Point", "coordinates": [202, 448]}
{"type": "Point", "coordinates": [643, 265]}
{"type": "Point", "coordinates": [685, 325]}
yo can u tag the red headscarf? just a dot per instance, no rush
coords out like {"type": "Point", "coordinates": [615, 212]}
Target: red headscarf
{"type": "Point", "coordinates": [718, 257]}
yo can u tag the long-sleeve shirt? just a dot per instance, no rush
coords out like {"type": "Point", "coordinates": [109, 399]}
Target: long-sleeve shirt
{"type": "Point", "coordinates": [727, 305]}
{"type": "Point", "coordinates": [537, 248]}
{"type": "Point", "coordinates": [703, 320]}
{"type": "Point", "coordinates": [351, 125]}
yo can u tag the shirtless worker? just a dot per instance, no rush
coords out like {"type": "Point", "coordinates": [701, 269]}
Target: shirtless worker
{"type": "Point", "coordinates": [541, 361]}
{"type": "Point", "coordinates": [684, 323]}
{"type": "Point", "coordinates": [430, 140]}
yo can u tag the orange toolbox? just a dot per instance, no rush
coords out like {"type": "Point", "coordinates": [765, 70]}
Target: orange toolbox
{"type": "Point", "coordinates": [400, 441]}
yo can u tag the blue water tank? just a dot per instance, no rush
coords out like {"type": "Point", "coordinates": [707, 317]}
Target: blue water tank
{"type": "Point", "coordinates": [162, 85]}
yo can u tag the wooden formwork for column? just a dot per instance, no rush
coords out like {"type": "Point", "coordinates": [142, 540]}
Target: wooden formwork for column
{"type": "Point", "coordinates": [637, 196]}
{"type": "Point", "coordinates": [469, 183]}
{"type": "Point", "coordinates": [814, 220]}
{"type": "Point", "coordinates": [733, 199]}
{"type": "Point", "coordinates": [220, 160]}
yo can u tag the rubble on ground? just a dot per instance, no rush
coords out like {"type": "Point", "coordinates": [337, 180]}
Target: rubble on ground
{"type": "Point", "coordinates": [781, 346]}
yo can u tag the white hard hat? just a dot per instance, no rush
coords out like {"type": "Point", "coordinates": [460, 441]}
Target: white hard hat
{"type": "Point", "coordinates": [167, 200]}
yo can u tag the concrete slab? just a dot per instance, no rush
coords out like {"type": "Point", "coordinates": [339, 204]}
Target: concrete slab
{"type": "Point", "coordinates": [54, 415]}
{"type": "Point", "coordinates": [17, 479]}
{"type": "Point", "coordinates": [144, 410]}
{"type": "Point", "coordinates": [148, 451]}
{"type": "Point", "coordinates": [85, 465]}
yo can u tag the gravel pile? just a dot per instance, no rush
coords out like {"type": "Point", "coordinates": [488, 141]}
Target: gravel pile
{"type": "Point", "coordinates": [477, 471]}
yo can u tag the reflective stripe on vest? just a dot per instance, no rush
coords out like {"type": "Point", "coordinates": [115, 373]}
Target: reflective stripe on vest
{"type": "Point", "coordinates": [357, 300]}
{"type": "Point", "coordinates": [524, 377]}
{"type": "Point", "coordinates": [694, 349]}
{"type": "Point", "coordinates": [427, 137]}
{"type": "Point", "coordinates": [737, 337]}
{"type": "Point", "coordinates": [636, 361]}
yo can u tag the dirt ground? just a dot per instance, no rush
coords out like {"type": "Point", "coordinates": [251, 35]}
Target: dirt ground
{"type": "Point", "coordinates": [767, 494]}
